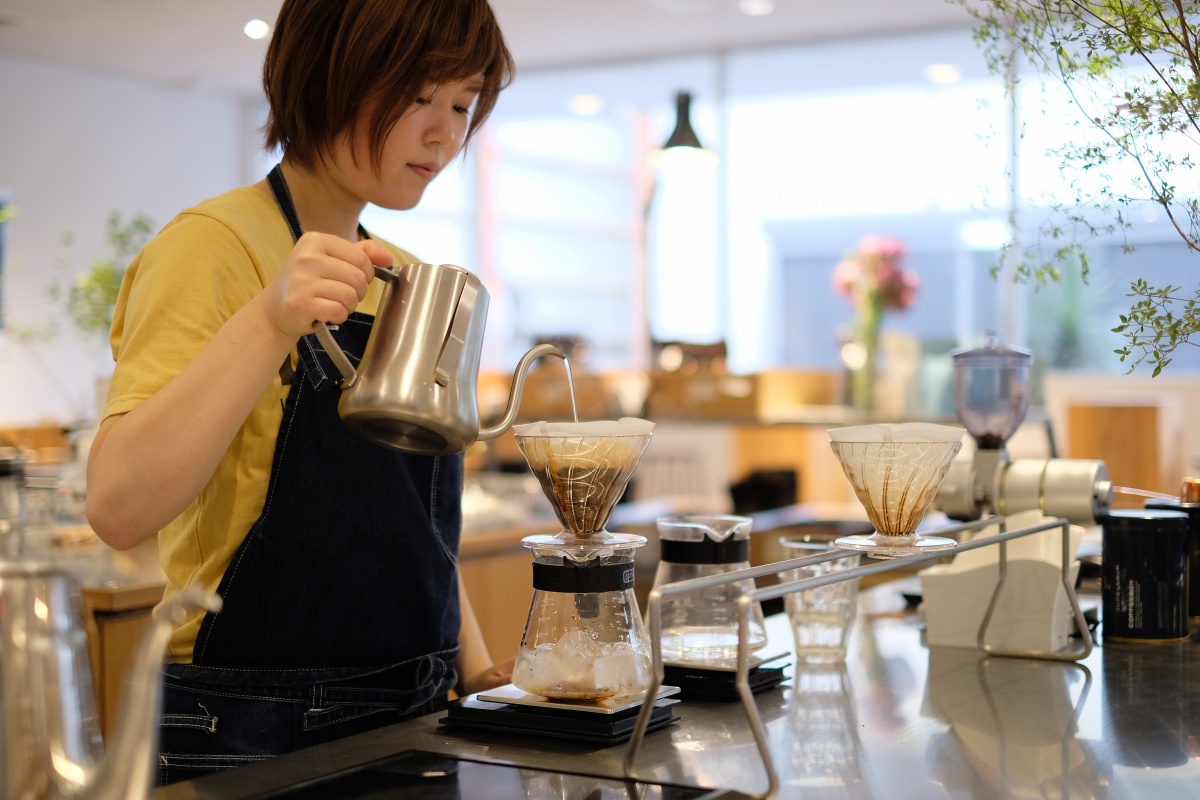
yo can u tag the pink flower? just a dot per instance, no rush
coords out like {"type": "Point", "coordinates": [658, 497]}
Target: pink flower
{"type": "Point", "coordinates": [872, 278]}
{"type": "Point", "coordinates": [884, 248]}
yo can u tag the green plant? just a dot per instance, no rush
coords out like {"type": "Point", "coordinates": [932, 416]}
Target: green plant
{"type": "Point", "coordinates": [1132, 68]}
{"type": "Point", "coordinates": [90, 298]}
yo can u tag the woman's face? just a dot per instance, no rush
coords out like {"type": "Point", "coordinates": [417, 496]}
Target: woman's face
{"type": "Point", "coordinates": [421, 144]}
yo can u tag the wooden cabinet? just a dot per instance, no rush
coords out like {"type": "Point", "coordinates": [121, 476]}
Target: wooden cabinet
{"type": "Point", "coordinates": [116, 620]}
{"type": "Point", "coordinates": [497, 573]}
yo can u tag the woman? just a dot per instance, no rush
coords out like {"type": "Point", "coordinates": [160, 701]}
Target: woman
{"type": "Point", "coordinates": [335, 557]}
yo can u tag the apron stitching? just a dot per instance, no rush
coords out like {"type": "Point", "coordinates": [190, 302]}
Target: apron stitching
{"type": "Point", "coordinates": [440, 655]}
{"type": "Point", "coordinates": [433, 487]}
{"type": "Point", "coordinates": [316, 364]}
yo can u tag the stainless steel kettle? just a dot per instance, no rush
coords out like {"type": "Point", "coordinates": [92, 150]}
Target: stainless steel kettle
{"type": "Point", "coordinates": [415, 387]}
{"type": "Point", "coordinates": [50, 744]}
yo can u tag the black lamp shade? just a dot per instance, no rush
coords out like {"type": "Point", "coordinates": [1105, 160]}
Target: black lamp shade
{"type": "Point", "coordinates": [683, 135]}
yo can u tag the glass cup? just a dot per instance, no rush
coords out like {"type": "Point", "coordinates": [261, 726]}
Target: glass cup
{"type": "Point", "coordinates": [821, 618]}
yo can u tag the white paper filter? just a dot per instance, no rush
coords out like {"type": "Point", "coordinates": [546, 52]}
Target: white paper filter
{"type": "Point", "coordinates": [626, 426]}
{"type": "Point", "coordinates": [898, 432]}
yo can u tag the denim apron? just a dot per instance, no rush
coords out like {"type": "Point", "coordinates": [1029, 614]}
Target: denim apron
{"type": "Point", "coordinates": [341, 605]}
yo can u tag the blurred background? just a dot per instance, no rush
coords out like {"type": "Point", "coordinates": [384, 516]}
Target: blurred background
{"type": "Point", "coordinates": [686, 288]}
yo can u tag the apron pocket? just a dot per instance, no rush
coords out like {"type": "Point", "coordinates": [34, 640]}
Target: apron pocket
{"type": "Point", "coordinates": [202, 722]}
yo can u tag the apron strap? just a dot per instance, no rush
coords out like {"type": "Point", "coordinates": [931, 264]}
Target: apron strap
{"type": "Point", "coordinates": [287, 206]}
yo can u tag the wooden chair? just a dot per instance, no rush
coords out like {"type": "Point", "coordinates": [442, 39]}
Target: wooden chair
{"type": "Point", "coordinates": [1125, 438]}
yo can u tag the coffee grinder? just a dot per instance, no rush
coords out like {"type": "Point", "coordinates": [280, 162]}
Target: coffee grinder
{"type": "Point", "coordinates": [991, 396]}
{"type": "Point", "coordinates": [585, 659]}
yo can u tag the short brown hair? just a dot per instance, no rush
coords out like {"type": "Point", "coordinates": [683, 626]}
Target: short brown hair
{"type": "Point", "coordinates": [329, 59]}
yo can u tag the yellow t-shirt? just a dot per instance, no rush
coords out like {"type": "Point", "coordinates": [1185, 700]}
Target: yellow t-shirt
{"type": "Point", "coordinates": [201, 268]}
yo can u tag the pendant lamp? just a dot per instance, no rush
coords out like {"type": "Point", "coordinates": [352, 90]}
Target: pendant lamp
{"type": "Point", "coordinates": [683, 135]}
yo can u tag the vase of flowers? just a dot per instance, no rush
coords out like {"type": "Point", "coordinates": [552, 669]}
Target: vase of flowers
{"type": "Point", "coordinates": [872, 279]}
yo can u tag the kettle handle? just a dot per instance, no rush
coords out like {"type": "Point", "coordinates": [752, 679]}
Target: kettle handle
{"type": "Point", "coordinates": [333, 349]}
{"type": "Point", "coordinates": [518, 386]}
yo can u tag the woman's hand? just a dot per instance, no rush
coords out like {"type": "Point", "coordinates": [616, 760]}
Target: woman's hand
{"type": "Point", "coordinates": [490, 678]}
{"type": "Point", "coordinates": [323, 279]}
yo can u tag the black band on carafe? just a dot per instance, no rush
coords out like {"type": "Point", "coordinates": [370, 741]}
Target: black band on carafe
{"type": "Point", "coordinates": [705, 551]}
{"type": "Point", "coordinates": [581, 580]}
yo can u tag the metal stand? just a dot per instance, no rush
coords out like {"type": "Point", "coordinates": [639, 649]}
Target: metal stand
{"type": "Point", "coordinates": [654, 613]}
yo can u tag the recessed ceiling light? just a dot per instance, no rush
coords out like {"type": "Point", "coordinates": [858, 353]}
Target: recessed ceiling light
{"type": "Point", "coordinates": [257, 29]}
{"type": "Point", "coordinates": [586, 104]}
{"type": "Point", "coordinates": [943, 73]}
{"type": "Point", "coordinates": [757, 8]}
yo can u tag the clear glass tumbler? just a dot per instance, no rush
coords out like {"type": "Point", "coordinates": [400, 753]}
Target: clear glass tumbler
{"type": "Point", "coordinates": [821, 618]}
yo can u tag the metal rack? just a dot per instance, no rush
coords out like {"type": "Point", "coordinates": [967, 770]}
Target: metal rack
{"type": "Point", "coordinates": [747, 600]}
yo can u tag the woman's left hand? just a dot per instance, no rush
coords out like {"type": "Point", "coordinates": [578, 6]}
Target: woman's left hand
{"type": "Point", "coordinates": [490, 678]}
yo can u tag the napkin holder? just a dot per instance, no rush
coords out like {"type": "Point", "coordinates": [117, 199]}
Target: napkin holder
{"type": "Point", "coordinates": [1032, 611]}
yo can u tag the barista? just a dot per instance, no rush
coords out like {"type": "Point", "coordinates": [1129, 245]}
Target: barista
{"type": "Point", "coordinates": [336, 558]}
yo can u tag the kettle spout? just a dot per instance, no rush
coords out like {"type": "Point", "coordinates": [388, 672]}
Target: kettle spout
{"type": "Point", "coordinates": [130, 759]}
{"type": "Point", "coordinates": [518, 386]}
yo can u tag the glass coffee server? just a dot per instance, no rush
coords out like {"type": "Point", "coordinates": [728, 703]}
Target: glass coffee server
{"type": "Point", "coordinates": [585, 660]}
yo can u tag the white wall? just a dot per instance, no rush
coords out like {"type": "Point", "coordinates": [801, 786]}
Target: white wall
{"type": "Point", "coordinates": [75, 147]}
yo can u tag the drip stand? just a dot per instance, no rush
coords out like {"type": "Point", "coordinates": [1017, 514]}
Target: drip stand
{"type": "Point", "coordinates": [654, 612]}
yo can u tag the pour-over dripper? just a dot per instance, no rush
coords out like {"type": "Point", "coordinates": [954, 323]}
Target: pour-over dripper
{"type": "Point", "coordinates": [583, 467]}
{"type": "Point", "coordinates": [584, 640]}
{"type": "Point", "coordinates": [895, 470]}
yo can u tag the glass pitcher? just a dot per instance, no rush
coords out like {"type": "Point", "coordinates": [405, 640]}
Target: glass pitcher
{"type": "Point", "coordinates": [584, 639]}
{"type": "Point", "coordinates": [701, 626]}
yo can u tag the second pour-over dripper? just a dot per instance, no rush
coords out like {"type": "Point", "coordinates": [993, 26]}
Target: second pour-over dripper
{"type": "Point", "coordinates": [895, 470]}
{"type": "Point", "coordinates": [584, 639]}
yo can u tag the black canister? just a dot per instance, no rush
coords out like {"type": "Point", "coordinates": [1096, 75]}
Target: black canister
{"type": "Point", "coordinates": [1193, 581]}
{"type": "Point", "coordinates": [1144, 575]}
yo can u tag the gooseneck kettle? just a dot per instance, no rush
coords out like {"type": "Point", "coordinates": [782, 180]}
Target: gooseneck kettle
{"type": "Point", "coordinates": [50, 745]}
{"type": "Point", "coordinates": [415, 386]}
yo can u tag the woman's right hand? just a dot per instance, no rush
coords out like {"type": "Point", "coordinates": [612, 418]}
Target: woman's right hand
{"type": "Point", "coordinates": [146, 466]}
{"type": "Point", "coordinates": [323, 279]}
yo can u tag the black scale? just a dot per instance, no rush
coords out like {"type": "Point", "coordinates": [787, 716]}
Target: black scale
{"type": "Point", "coordinates": [510, 710]}
{"type": "Point", "coordinates": [718, 681]}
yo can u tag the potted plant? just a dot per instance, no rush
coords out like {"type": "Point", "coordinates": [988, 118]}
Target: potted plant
{"type": "Point", "coordinates": [90, 298]}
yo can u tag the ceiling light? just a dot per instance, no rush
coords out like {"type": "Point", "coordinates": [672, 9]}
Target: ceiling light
{"type": "Point", "coordinates": [943, 73]}
{"type": "Point", "coordinates": [757, 8]}
{"type": "Point", "coordinates": [586, 105]}
{"type": "Point", "coordinates": [257, 29]}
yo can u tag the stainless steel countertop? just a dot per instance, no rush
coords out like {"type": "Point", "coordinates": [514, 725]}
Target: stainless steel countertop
{"type": "Point", "coordinates": [900, 721]}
